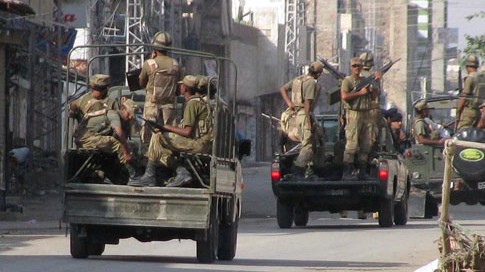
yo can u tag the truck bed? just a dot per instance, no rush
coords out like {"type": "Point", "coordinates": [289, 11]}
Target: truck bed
{"type": "Point", "coordinates": [120, 205]}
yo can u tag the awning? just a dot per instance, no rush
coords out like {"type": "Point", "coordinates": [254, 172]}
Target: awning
{"type": "Point", "coordinates": [16, 7]}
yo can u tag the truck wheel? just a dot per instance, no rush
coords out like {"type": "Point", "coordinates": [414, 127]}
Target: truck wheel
{"type": "Point", "coordinates": [401, 211]}
{"type": "Point", "coordinates": [284, 214]}
{"type": "Point", "coordinates": [96, 249]}
{"type": "Point", "coordinates": [301, 217]}
{"type": "Point", "coordinates": [207, 246]}
{"type": "Point", "coordinates": [79, 243]}
{"type": "Point", "coordinates": [386, 213]}
{"type": "Point", "coordinates": [227, 240]}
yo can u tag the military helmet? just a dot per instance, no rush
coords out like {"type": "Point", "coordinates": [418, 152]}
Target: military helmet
{"type": "Point", "coordinates": [367, 59]}
{"type": "Point", "coordinates": [161, 38]}
{"type": "Point", "coordinates": [471, 60]}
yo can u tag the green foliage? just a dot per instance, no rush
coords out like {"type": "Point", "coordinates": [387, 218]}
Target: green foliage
{"type": "Point", "coordinates": [475, 44]}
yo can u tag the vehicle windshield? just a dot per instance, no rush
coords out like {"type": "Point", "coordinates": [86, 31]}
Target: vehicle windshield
{"type": "Point", "coordinates": [330, 124]}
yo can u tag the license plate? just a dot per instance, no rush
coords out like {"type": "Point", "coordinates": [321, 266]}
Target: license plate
{"type": "Point", "coordinates": [338, 192]}
{"type": "Point", "coordinates": [481, 185]}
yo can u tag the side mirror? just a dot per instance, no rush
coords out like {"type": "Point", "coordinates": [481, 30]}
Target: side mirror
{"type": "Point", "coordinates": [244, 148]}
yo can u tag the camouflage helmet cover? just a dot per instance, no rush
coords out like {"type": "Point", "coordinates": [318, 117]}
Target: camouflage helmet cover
{"type": "Point", "coordinates": [367, 59]}
{"type": "Point", "coordinates": [99, 81]}
{"type": "Point", "coordinates": [471, 60]}
{"type": "Point", "coordinates": [161, 38]}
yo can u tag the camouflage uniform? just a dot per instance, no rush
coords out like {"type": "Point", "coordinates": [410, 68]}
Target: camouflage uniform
{"type": "Point", "coordinates": [375, 115]}
{"type": "Point", "coordinates": [196, 115]}
{"type": "Point", "coordinates": [420, 127]}
{"type": "Point", "coordinates": [474, 89]}
{"type": "Point", "coordinates": [161, 92]}
{"type": "Point", "coordinates": [303, 88]}
{"type": "Point", "coordinates": [358, 128]}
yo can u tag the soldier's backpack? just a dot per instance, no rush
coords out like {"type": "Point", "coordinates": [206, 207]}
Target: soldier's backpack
{"type": "Point", "coordinates": [479, 89]}
{"type": "Point", "coordinates": [164, 82]}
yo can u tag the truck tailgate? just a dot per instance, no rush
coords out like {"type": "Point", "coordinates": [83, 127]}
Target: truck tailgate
{"type": "Point", "coordinates": [328, 188]}
{"type": "Point", "coordinates": [136, 206]}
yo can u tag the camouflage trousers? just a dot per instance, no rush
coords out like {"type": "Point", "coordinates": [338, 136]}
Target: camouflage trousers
{"type": "Point", "coordinates": [163, 145]}
{"type": "Point", "coordinates": [375, 117]}
{"type": "Point", "coordinates": [468, 118]}
{"type": "Point", "coordinates": [108, 144]}
{"type": "Point", "coordinates": [162, 114]}
{"type": "Point", "coordinates": [306, 153]}
{"type": "Point", "coordinates": [358, 136]}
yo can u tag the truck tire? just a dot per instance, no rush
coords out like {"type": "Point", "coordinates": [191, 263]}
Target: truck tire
{"type": "Point", "coordinates": [78, 243]}
{"type": "Point", "coordinates": [228, 238]}
{"type": "Point", "coordinates": [401, 211]}
{"type": "Point", "coordinates": [96, 249]}
{"type": "Point", "coordinates": [284, 214]}
{"type": "Point", "coordinates": [386, 213]}
{"type": "Point", "coordinates": [301, 217]}
{"type": "Point", "coordinates": [468, 162]}
{"type": "Point", "coordinates": [208, 244]}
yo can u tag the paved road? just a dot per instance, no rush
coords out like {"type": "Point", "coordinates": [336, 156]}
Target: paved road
{"type": "Point", "coordinates": [328, 243]}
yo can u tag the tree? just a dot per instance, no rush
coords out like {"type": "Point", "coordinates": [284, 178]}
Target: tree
{"type": "Point", "coordinates": [475, 44]}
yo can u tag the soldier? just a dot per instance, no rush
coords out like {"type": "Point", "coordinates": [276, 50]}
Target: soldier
{"type": "Point", "coordinates": [304, 95]}
{"type": "Point", "coordinates": [375, 116]}
{"type": "Point", "coordinates": [159, 76]}
{"type": "Point", "coordinates": [472, 96]}
{"type": "Point", "coordinates": [194, 135]}
{"type": "Point", "coordinates": [98, 118]}
{"type": "Point", "coordinates": [358, 131]}
{"type": "Point", "coordinates": [421, 130]}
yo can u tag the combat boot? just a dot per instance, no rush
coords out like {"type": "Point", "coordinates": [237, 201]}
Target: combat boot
{"type": "Point", "coordinates": [348, 173]}
{"type": "Point", "coordinates": [132, 173]}
{"type": "Point", "coordinates": [363, 172]}
{"type": "Point", "coordinates": [148, 179]}
{"type": "Point", "coordinates": [182, 178]}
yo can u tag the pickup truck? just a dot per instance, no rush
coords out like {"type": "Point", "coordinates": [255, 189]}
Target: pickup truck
{"type": "Point", "coordinates": [387, 193]}
{"type": "Point", "coordinates": [426, 164]}
{"type": "Point", "coordinates": [208, 211]}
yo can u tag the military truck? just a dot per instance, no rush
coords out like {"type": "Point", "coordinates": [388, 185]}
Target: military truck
{"type": "Point", "coordinates": [323, 190]}
{"type": "Point", "coordinates": [208, 211]}
{"type": "Point", "coordinates": [426, 163]}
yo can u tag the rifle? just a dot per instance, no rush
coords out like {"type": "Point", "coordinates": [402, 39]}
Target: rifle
{"type": "Point", "coordinates": [154, 126]}
{"type": "Point", "coordinates": [459, 89]}
{"type": "Point", "coordinates": [271, 117]}
{"type": "Point", "coordinates": [336, 73]}
{"type": "Point", "coordinates": [335, 94]}
{"type": "Point", "coordinates": [368, 80]}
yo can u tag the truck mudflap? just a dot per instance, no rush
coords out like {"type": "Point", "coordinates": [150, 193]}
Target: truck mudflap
{"type": "Point", "coordinates": [119, 205]}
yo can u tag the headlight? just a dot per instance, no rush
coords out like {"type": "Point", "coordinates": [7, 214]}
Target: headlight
{"type": "Point", "coordinates": [416, 175]}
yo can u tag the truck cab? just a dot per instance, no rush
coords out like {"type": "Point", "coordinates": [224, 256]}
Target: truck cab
{"type": "Point", "coordinates": [426, 163]}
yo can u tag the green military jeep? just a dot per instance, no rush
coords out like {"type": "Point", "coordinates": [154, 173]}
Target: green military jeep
{"type": "Point", "coordinates": [426, 163]}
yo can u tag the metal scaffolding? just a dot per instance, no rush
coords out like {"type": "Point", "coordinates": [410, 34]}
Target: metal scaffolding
{"type": "Point", "coordinates": [295, 18]}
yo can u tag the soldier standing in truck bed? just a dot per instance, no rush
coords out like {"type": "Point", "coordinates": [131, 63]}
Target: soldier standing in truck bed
{"type": "Point", "coordinates": [472, 96]}
{"type": "Point", "coordinates": [159, 76]}
{"type": "Point", "coordinates": [304, 95]}
{"type": "Point", "coordinates": [358, 128]}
